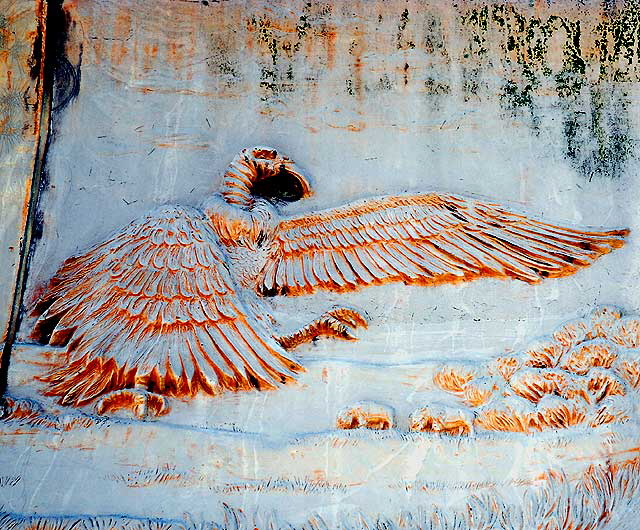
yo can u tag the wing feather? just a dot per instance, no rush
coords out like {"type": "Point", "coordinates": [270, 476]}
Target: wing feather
{"type": "Point", "coordinates": [170, 317]}
{"type": "Point", "coordinates": [424, 239]}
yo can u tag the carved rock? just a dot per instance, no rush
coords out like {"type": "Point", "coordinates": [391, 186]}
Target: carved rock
{"type": "Point", "coordinates": [367, 414]}
{"type": "Point", "coordinates": [441, 419]}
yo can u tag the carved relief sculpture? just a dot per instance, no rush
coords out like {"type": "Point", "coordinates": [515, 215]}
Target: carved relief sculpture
{"type": "Point", "coordinates": [220, 361]}
{"type": "Point", "coordinates": [175, 303]}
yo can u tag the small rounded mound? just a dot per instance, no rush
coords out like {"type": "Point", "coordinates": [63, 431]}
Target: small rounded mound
{"type": "Point", "coordinates": [368, 415]}
{"type": "Point", "coordinates": [441, 419]}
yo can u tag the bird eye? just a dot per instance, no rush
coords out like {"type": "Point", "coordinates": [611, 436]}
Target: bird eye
{"type": "Point", "coordinates": [265, 154]}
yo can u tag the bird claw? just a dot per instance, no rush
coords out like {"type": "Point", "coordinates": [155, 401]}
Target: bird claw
{"type": "Point", "coordinates": [336, 328]}
{"type": "Point", "coordinates": [141, 403]}
{"type": "Point", "coordinates": [339, 323]}
{"type": "Point", "coordinates": [350, 317]}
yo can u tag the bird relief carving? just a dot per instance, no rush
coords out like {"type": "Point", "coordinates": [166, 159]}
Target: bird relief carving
{"type": "Point", "coordinates": [176, 303]}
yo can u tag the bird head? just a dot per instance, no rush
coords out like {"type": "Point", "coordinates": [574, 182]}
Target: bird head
{"type": "Point", "coordinates": [263, 172]}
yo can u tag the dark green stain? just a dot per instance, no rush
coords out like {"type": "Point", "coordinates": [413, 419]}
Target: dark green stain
{"type": "Point", "coordinates": [597, 131]}
{"type": "Point", "coordinates": [617, 41]}
{"type": "Point", "coordinates": [402, 26]}
{"type": "Point", "coordinates": [595, 113]}
{"type": "Point", "coordinates": [434, 87]}
{"type": "Point", "coordinates": [3, 28]}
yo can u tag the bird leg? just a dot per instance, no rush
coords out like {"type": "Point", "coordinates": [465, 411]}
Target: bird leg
{"type": "Point", "coordinates": [337, 323]}
{"type": "Point", "coordinates": [142, 403]}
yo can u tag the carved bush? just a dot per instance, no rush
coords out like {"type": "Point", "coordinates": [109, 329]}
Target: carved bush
{"type": "Point", "coordinates": [534, 383]}
{"type": "Point", "coordinates": [504, 366]}
{"type": "Point", "coordinates": [507, 414]}
{"type": "Point", "coordinates": [453, 377]}
{"type": "Point", "coordinates": [543, 354]}
{"type": "Point", "coordinates": [572, 333]}
{"type": "Point", "coordinates": [594, 353]}
{"type": "Point", "coordinates": [603, 383]}
{"type": "Point", "coordinates": [627, 367]}
{"type": "Point", "coordinates": [627, 333]}
{"type": "Point", "coordinates": [603, 321]}
{"type": "Point", "coordinates": [479, 391]}
{"type": "Point", "coordinates": [557, 413]}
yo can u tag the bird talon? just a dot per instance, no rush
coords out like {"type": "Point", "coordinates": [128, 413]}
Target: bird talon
{"type": "Point", "coordinates": [337, 328]}
{"type": "Point", "coordinates": [337, 323]}
{"type": "Point", "coordinates": [351, 317]}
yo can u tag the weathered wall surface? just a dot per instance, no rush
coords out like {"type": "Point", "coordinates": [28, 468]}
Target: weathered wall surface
{"type": "Point", "coordinates": [534, 104]}
{"type": "Point", "coordinates": [19, 129]}
{"type": "Point", "coordinates": [529, 104]}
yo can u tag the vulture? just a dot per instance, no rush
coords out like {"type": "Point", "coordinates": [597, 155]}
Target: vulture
{"type": "Point", "coordinates": [174, 304]}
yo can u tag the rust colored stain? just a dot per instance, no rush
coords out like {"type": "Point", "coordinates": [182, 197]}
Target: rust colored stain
{"type": "Point", "coordinates": [118, 52]}
{"type": "Point", "coordinates": [122, 25]}
{"type": "Point", "coordinates": [121, 36]}
{"type": "Point", "coordinates": [356, 50]}
{"type": "Point", "coordinates": [175, 54]}
{"type": "Point", "coordinates": [610, 454]}
{"type": "Point", "coordinates": [22, 65]}
{"type": "Point", "coordinates": [330, 37]}
{"type": "Point", "coordinates": [192, 46]}
{"type": "Point", "coordinates": [150, 54]}
{"type": "Point", "coordinates": [357, 127]}
{"type": "Point", "coordinates": [98, 51]}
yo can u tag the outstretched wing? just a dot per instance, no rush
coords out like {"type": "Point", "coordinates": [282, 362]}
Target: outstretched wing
{"type": "Point", "coordinates": [155, 304]}
{"type": "Point", "coordinates": [423, 239]}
